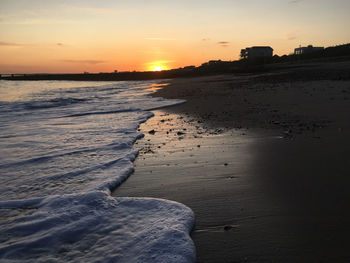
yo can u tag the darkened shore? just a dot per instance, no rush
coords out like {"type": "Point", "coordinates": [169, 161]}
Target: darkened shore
{"type": "Point", "coordinates": [261, 159]}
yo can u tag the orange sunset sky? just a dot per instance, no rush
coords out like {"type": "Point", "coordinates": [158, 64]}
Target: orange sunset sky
{"type": "Point", "coordinates": [38, 36]}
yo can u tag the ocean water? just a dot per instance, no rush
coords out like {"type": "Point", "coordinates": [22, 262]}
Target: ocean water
{"type": "Point", "coordinates": [63, 147]}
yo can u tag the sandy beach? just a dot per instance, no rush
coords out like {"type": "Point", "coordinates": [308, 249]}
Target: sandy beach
{"type": "Point", "coordinates": [261, 159]}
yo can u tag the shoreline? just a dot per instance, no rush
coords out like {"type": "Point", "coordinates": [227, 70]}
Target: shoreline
{"type": "Point", "coordinates": [211, 68]}
{"type": "Point", "coordinates": [265, 172]}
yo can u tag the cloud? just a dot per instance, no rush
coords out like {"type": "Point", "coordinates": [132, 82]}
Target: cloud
{"type": "Point", "coordinates": [224, 43]}
{"type": "Point", "coordinates": [205, 39]}
{"type": "Point", "coordinates": [10, 44]}
{"type": "Point", "coordinates": [40, 45]}
{"type": "Point", "coordinates": [291, 35]}
{"type": "Point", "coordinates": [87, 61]}
{"type": "Point", "coordinates": [295, 1]}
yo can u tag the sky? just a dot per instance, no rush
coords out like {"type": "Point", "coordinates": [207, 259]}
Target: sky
{"type": "Point", "coordinates": [74, 36]}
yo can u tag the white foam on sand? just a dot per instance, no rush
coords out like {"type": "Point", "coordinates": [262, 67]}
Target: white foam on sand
{"type": "Point", "coordinates": [95, 227]}
{"type": "Point", "coordinates": [66, 212]}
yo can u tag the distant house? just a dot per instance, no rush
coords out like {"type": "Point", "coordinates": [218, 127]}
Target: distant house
{"type": "Point", "coordinates": [189, 67]}
{"type": "Point", "coordinates": [257, 52]}
{"type": "Point", "coordinates": [307, 50]}
{"type": "Point", "coordinates": [211, 62]}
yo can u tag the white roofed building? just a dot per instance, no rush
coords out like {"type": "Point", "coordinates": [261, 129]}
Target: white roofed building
{"type": "Point", "coordinates": [257, 52]}
{"type": "Point", "coordinates": [307, 50]}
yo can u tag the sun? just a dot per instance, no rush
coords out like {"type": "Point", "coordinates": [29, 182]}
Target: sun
{"type": "Point", "coordinates": [157, 68]}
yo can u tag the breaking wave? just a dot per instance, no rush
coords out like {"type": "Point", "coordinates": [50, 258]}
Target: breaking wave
{"type": "Point", "coordinates": [61, 158]}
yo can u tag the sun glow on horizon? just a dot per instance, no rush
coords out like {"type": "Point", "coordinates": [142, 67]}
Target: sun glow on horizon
{"type": "Point", "coordinates": [158, 65]}
{"type": "Point", "coordinates": [157, 68]}
{"type": "Point", "coordinates": [75, 36]}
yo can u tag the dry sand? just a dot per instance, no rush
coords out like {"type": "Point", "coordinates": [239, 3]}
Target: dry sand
{"type": "Point", "coordinates": [263, 161]}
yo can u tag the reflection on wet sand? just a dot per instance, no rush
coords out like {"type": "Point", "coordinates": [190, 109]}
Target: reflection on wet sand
{"type": "Point", "coordinates": [262, 161]}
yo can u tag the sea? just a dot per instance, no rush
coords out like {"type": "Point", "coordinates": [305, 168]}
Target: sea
{"type": "Point", "coordinates": [64, 146]}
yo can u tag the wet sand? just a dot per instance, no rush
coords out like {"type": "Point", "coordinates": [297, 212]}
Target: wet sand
{"type": "Point", "coordinates": [262, 160]}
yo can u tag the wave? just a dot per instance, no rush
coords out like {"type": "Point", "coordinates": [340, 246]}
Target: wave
{"type": "Point", "coordinates": [42, 159]}
{"type": "Point", "coordinates": [100, 113]}
{"type": "Point", "coordinates": [56, 102]}
{"type": "Point", "coordinates": [73, 169]}
{"type": "Point", "coordinates": [95, 227]}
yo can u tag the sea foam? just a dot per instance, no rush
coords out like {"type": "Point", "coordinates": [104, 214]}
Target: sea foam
{"type": "Point", "coordinates": [95, 227]}
{"type": "Point", "coordinates": [65, 146]}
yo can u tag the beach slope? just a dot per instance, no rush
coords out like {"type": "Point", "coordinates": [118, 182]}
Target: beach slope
{"type": "Point", "coordinates": [262, 160]}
